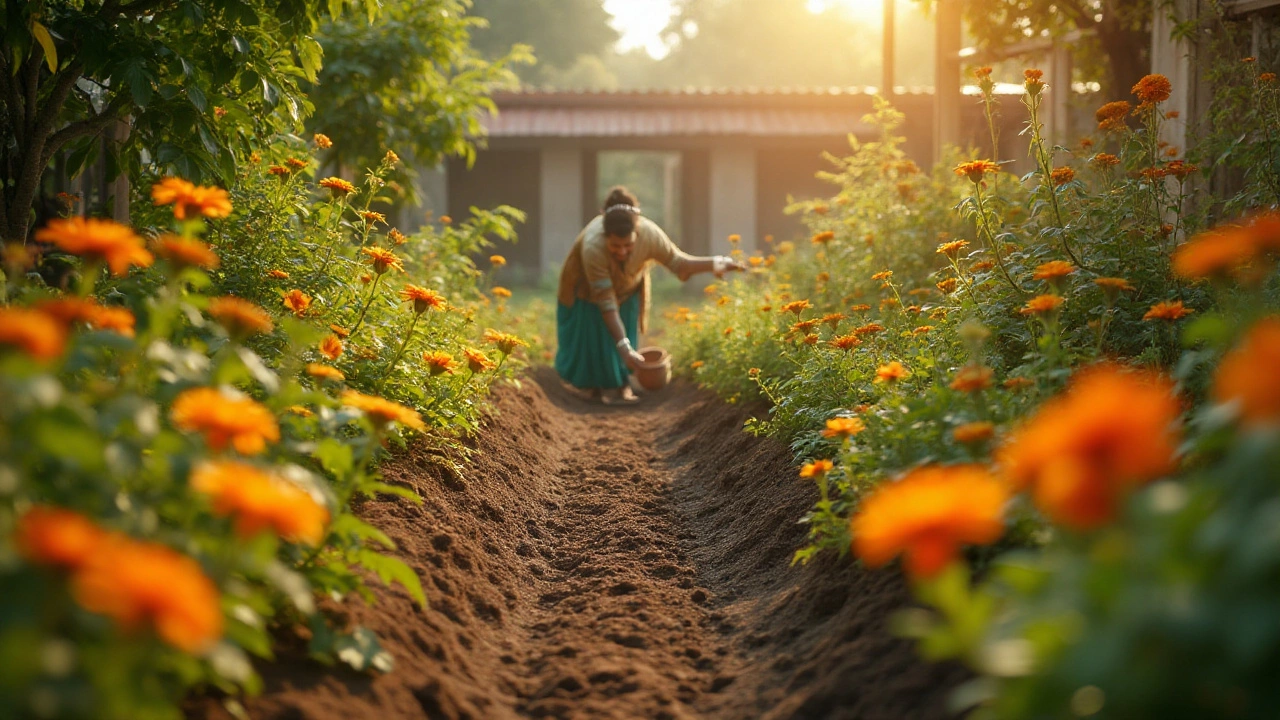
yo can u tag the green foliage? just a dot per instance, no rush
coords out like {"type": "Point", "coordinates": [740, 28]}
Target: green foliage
{"type": "Point", "coordinates": [562, 33]}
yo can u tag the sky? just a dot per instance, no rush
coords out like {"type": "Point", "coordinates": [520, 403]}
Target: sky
{"type": "Point", "coordinates": [641, 21]}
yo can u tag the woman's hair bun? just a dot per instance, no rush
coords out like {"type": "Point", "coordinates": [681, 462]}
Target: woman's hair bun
{"type": "Point", "coordinates": [619, 195]}
{"type": "Point", "coordinates": [620, 211]}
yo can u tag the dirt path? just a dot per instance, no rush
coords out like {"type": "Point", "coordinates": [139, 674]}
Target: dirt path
{"type": "Point", "coordinates": [591, 562]}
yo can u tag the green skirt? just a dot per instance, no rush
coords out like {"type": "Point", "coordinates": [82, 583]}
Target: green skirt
{"type": "Point", "coordinates": [587, 356]}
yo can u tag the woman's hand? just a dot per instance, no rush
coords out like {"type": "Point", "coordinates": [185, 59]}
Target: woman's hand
{"type": "Point", "coordinates": [722, 264]}
{"type": "Point", "coordinates": [629, 356]}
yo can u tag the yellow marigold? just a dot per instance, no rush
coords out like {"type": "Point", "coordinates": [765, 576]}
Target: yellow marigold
{"type": "Point", "coordinates": [975, 170]}
{"type": "Point", "coordinates": [423, 299]}
{"type": "Point", "coordinates": [223, 419]}
{"type": "Point", "coordinates": [796, 307]}
{"type": "Point", "coordinates": [823, 237]}
{"type": "Point", "coordinates": [817, 468]}
{"type": "Point", "coordinates": [505, 342]}
{"type": "Point", "coordinates": [1083, 451]}
{"type": "Point", "coordinates": [972, 378]}
{"type": "Point", "coordinates": [372, 217]}
{"type": "Point", "coordinates": [1062, 175]}
{"type": "Point", "coordinates": [1247, 374]}
{"type": "Point", "coordinates": [891, 372]}
{"type": "Point", "coordinates": [331, 347]}
{"type": "Point", "coordinates": [241, 318]}
{"type": "Point", "coordinates": [301, 411]}
{"type": "Point", "coordinates": [136, 583]}
{"type": "Point", "coordinates": [843, 427]}
{"type": "Point", "coordinates": [1111, 116]}
{"type": "Point", "coordinates": [1167, 311]}
{"type": "Point", "coordinates": [297, 301]}
{"type": "Point", "coordinates": [882, 275]}
{"type": "Point", "coordinates": [382, 411]}
{"type": "Point", "coordinates": [261, 501]}
{"type": "Point", "coordinates": [1053, 270]}
{"type": "Point", "coordinates": [187, 252]}
{"type": "Point", "coordinates": [497, 260]}
{"type": "Point", "coordinates": [974, 433]}
{"type": "Point", "coordinates": [277, 274]}
{"type": "Point", "coordinates": [190, 200]}
{"type": "Point", "coordinates": [953, 248]}
{"type": "Point", "coordinates": [1042, 305]}
{"type": "Point", "coordinates": [1153, 89]}
{"type": "Point", "coordinates": [54, 536]}
{"type": "Point", "coordinates": [396, 237]}
{"type": "Point", "coordinates": [501, 292]}
{"type": "Point", "coordinates": [477, 361]}
{"type": "Point", "coordinates": [735, 238]}
{"type": "Point", "coordinates": [101, 240]}
{"type": "Point", "coordinates": [948, 286]}
{"type": "Point", "coordinates": [845, 342]}
{"type": "Point", "coordinates": [927, 515]}
{"type": "Point", "coordinates": [34, 332]}
{"type": "Point", "coordinates": [322, 141]}
{"type": "Point", "coordinates": [337, 186]}
{"type": "Point", "coordinates": [439, 362]}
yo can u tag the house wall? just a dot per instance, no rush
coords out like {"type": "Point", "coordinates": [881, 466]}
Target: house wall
{"type": "Point", "coordinates": [503, 177]}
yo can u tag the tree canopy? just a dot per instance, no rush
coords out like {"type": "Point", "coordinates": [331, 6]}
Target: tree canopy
{"type": "Point", "coordinates": [561, 33]}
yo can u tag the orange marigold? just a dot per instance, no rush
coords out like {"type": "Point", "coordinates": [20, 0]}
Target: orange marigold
{"type": "Point", "coordinates": [505, 342]}
{"type": "Point", "coordinates": [423, 299]}
{"type": "Point", "coordinates": [974, 433]}
{"type": "Point", "coordinates": [1062, 175]}
{"type": "Point", "coordinates": [135, 583]}
{"type": "Point", "coordinates": [337, 186]}
{"type": "Point", "coordinates": [100, 317]}
{"type": "Point", "coordinates": [832, 320]}
{"type": "Point", "coordinates": [927, 515]}
{"type": "Point", "coordinates": [796, 307]}
{"type": "Point", "coordinates": [1167, 311]}
{"type": "Point", "coordinates": [295, 163]}
{"type": "Point", "coordinates": [891, 372]}
{"type": "Point", "coordinates": [382, 259]}
{"type": "Point", "coordinates": [882, 275]}
{"type": "Point", "coordinates": [817, 468]}
{"type": "Point", "coordinates": [973, 378]}
{"type": "Point", "coordinates": [396, 237]}
{"type": "Point", "coordinates": [277, 274]}
{"type": "Point", "coordinates": [501, 292]}
{"type": "Point", "coordinates": [241, 318]}
{"type": "Point", "coordinates": [823, 237]}
{"type": "Point", "coordinates": [187, 252]}
{"type": "Point", "coordinates": [1230, 249]}
{"type": "Point", "coordinates": [1153, 89]}
{"type": "Point", "coordinates": [322, 141]}
{"type": "Point", "coordinates": [1104, 160]}
{"type": "Point", "coordinates": [497, 260]}
{"type": "Point", "coordinates": [952, 249]}
{"type": "Point", "coordinates": [868, 329]}
{"type": "Point", "coordinates": [845, 342]}
{"type": "Point", "coordinates": [102, 240]}
{"type": "Point", "coordinates": [948, 286]}
{"type": "Point", "coordinates": [1113, 285]}
{"type": "Point", "coordinates": [1111, 116]}
{"type": "Point", "coordinates": [372, 217]}
{"type": "Point", "coordinates": [477, 361]}
{"type": "Point", "coordinates": [34, 332]}
{"type": "Point", "coordinates": [54, 536]}
{"type": "Point", "coordinates": [1042, 305]}
{"type": "Point", "coordinates": [975, 170]}
{"type": "Point", "coordinates": [382, 411]}
{"type": "Point", "coordinates": [1247, 374]}
{"type": "Point", "coordinates": [843, 427]}
{"type": "Point", "coordinates": [325, 372]}
{"type": "Point", "coordinates": [1053, 270]}
{"type": "Point", "coordinates": [860, 307]}
{"type": "Point", "coordinates": [1017, 382]}
{"type": "Point", "coordinates": [439, 362]}
{"type": "Point", "coordinates": [261, 501]}
{"type": "Point", "coordinates": [189, 200]}
{"type": "Point", "coordinates": [297, 301]}
{"type": "Point", "coordinates": [224, 419]}
{"type": "Point", "coordinates": [331, 347]}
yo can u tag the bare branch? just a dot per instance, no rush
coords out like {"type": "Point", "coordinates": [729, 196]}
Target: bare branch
{"type": "Point", "coordinates": [83, 128]}
{"type": "Point", "coordinates": [63, 83]}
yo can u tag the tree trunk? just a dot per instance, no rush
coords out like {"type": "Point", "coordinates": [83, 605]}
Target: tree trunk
{"type": "Point", "coordinates": [1126, 48]}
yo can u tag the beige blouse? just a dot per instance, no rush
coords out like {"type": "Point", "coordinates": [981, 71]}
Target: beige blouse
{"type": "Point", "coordinates": [590, 273]}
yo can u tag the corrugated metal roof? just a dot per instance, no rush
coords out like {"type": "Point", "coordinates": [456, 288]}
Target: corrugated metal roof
{"type": "Point", "coordinates": [692, 112]}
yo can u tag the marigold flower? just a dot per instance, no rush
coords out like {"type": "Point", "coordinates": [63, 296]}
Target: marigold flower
{"type": "Point", "coordinates": [477, 361]}
{"type": "Point", "coordinates": [1167, 311]}
{"type": "Point", "coordinates": [295, 163]}
{"type": "Point", "coordinates": [860, 307]}
{"type": "Point", "coordinates": [948, 286]}
{"type": "Point", "coordinates": [1016, 383]}
{"type": "Point", "coordinates": [822, 277]}
{"type": "Point", "coordinates": [1032, 75]}
{"type": "Point", "coordinates": [972, 378]}
{"type": "Point", "coordinates": [501, 292]}
{"type": "Point", "coordinates": [223, 419]}
{"type": "Point", "coordinates": [823, 237]}
{"type": "Point", "coordinates": [337, 186]}
{"type": "Point", "coordinates": [953, 248]}
{"type": "Point", "coordinates": [297, 301]}
{"type": "Point", "coordinates": [832, 320]}
{"type": "Point", "coordinates": [241, 318]}
{"type": "Point", "coordinates": [1113, 285]}
{"type": "Point", "coordinates": [322, 141]}
{"type": "Point", "coordinates": [505, 342]}
{"type": "Point", "coordinates": [1180, 169]}
{"type": "Point", "coordinates": [815, 469]}
{"type": "Point", "coordinates": [279, 171]}
{"type": "Point", "coordinates": [261, 501]}
{"type": "Point", "coordinates": [187, 252]}
{"type": "Point", "coordinates": [980, 266]}
{"type": "Point", "coordinates": [99, 317]}
{"type": "Point", "coordinates": [796, 307]}
{"type": "Point", "coordinates": [1084, 450]}
{"type": "Point", "coordinates": [34, 332]}
{"type": "Point", "coordinates": [974, 433]}
{"type": "Point", "coordinates": [696, 364]}
{"type": "Point", "coordinates": [382, 259]}
{"type": "Point", "coordinates": [922, 330]}
{"type": "Point", "coordinates": [1229, 250]}
{"type": "Point", "coordinates": [101, 240]}
{"type": "Point", "coordinates": [976, 169]}
{"type": "Point", "coordinates": [1267, 77]}
{"type": "Point", "coordinates": [54, 536]}
{"type": "Point", "coordinates": [868, 329]}
{"type": "Point", "coordinates": [382, 411]}
{"type": "Point", "coordinates": [1042, 305]}
{"type": "Point", "coordinates": [439, 362]}
{"type": "Point", "coordinates": [982, 72]}
{"type": "Point", "coordinates": [423, 299]}
{"type": "Point", "coordinates": [134, 582]}
{"type": "Point", "coordinates": [927, 515]}
{"type": "Point", "coordinates": [1153, 89]}
{"type": "Point", "coordinates": [189, 200]}
{"type": "Point", "coordinates": [843, 427]}
{"type": "Point", "coordinates": [1062, 175]}
{"type": "Point", "coordinates": [325, 372]}
{"type": "Point", "coordinates": [331, 347]}
{"type": "Point", "coordinates": [882, 275]}
{"type": "Point", "coordinates": [278, 274]}
{"type": "Point", "coordinates": [891, 372]}
{"type": "Point", "coordinates": [1247, 374]}
{"type": "Point", "coordinates": [1111, 116]}
{"type": "Point", "coordinates": [1053, 270]}
{"type": "Point", "coordinates": [372, 217]}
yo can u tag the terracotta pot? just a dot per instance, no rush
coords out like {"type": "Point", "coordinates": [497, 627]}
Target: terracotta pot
{"type": "Point", "coordinates": [655, 373]}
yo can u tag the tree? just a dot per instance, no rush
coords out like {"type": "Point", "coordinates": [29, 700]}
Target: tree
{"type": "Point", "coordinates": [1121, 29]}
{"type": "Point", "coordinates": [191, 78]}
{"type": "Point", "coordinates": [560, 32]}
{"type": "Point", "coordinates": [410, 82]}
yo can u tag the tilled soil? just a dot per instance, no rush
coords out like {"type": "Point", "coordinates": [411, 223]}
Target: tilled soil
{"type": "Point", "coordinates": [593, 562]}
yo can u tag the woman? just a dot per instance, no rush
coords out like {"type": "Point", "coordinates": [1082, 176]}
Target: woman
{"type": "Point", "coordinates": [604, 296]}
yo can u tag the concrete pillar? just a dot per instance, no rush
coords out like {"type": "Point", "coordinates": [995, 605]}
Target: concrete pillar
{"type": "Point", "coordinates": [1175, 58]}
{"type": "Point", "coordinates": [561, 205]}
{"type": "Point", "coordinates": [733, 197]}
{"type": "Point", "coordinates": [591, 199]}
{"type": "Point", "coordinates": [946, 77]}
{"type": "Point", "coordinates": [1058, 108]}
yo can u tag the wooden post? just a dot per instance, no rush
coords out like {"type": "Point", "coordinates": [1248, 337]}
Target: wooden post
{"type": "Point", "coordinates": [946, 78]}
{"type": "Point", "coordinates": [1059, 128]}
{"type": "Point", "coordinates": [118, 188]}
{"type": "Point", "coordinates": [888, 49]}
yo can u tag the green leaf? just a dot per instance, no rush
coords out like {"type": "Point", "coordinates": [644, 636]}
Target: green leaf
{"type": "Point", "coordinates": [389, 569]}
{"type": "Point", "coordinates": [311, 56]}
{"type": "Point", "coordinates": [335, 456]}
{"type": "Point", "coordinates": [352, 525]}
{"type": "Point", "coordinates": [385, 488]}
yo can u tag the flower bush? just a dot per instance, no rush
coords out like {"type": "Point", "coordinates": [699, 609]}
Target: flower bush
{"type": "Point", "coordinates": [1063, 371]}
{"type": "Point", "coordinates": [188, 421]}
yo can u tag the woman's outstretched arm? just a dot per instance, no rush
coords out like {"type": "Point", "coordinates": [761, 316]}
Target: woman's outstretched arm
{"type": "Point", "coordinates": [718, 264]}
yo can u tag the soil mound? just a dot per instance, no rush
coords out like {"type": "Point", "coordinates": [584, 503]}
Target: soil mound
{"type": "Point", "coordinates": [592, 562]}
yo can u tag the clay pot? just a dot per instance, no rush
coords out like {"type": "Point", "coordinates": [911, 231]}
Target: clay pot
{"type": "Point", "coordinates": [655, 373]}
